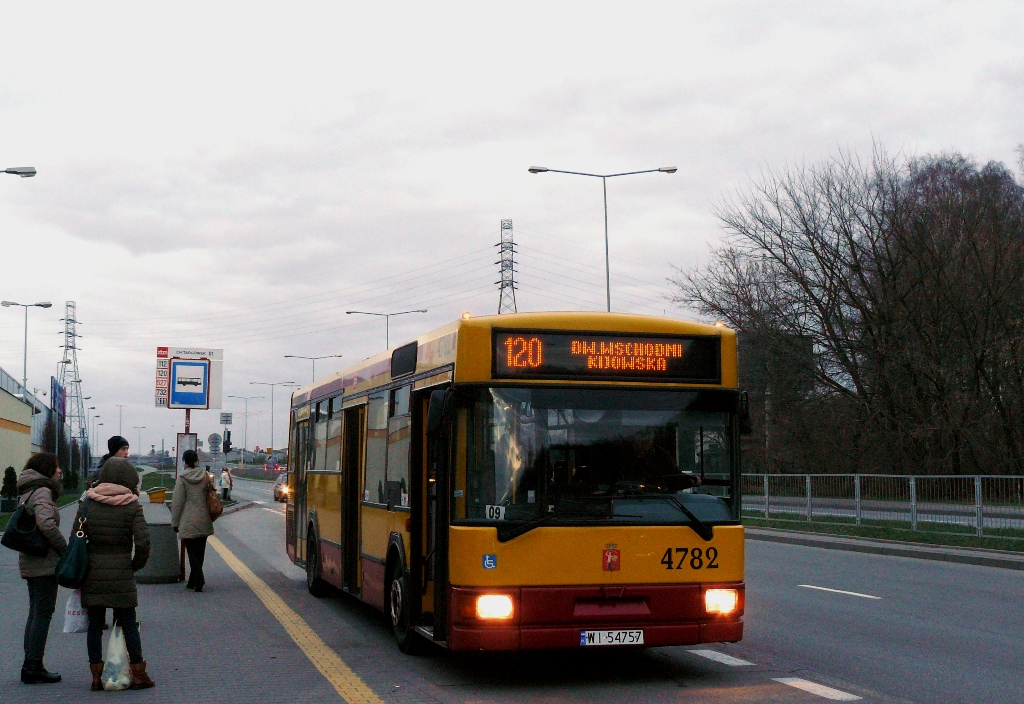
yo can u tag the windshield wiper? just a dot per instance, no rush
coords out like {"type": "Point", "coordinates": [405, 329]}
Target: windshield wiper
{"type": "Point", "coordinates": [699, 527]}
{"type": "Point", "coordinates": [509, 531]}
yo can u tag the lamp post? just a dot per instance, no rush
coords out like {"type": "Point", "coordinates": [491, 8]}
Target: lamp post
{"type": "Point", "coordinates": [387, 319]}
{"type": "Point", "coordinates": [604, 187]}
{"type": "Point", "coordinates": [312, 359]}
{"type": "Point", "coordinates": [245, 431]}
{"type": "Point", "coordinates": [120, 407]}
{"type": "Point", "coordinates": [24, 358]}
{"type": "Point", "coordinates": [273, 442]}
{"type": "Point", "coordinates": [138, 451]}
{"type": "Point", "coordinates": [23, 171]}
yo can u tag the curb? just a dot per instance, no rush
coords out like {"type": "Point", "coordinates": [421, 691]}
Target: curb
{"type": "Point", "coordinates": [964, 556]}
{"type": "Point", "coordinates": [240, 506]}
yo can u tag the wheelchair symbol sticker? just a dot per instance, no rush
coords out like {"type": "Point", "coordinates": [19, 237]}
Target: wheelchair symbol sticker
{"type": "Point", "coordinates": [490, 562]}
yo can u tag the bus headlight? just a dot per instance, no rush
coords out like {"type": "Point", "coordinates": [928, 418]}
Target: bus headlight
{"type": "Point", "coordinates": [494, 607]}
{"type": "Point", "coordinates": [721, 601]}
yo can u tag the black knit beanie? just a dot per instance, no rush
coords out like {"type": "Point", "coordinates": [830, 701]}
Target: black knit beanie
{"type": "Point", "coordinates": [116, 443]}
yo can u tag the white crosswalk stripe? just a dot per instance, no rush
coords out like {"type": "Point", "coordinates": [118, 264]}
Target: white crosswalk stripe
{"type": "Point", "coordinates": [721, 658]}
{"type": "Point", "coordinates": [818, 689]}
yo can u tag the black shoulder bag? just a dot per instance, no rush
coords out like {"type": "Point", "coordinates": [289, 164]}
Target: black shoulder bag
{"type": "Point", "coordinates": [23, 534]}
{"type": "Point", "coordinates": [74, 562]}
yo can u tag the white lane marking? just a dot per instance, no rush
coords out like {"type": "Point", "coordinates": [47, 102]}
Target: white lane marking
{"type": "Point", "coordinates": [819, 689]}
{"type": "Point", "coordinates": [720, 657]}
{"type": "Point", "coordinates": [838, 591]}
{"type": "Point", "coordinates": [259, 503]}
{"type": "Point", "coordinates": [272, 510]}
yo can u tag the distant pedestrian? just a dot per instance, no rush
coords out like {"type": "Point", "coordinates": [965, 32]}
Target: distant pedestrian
{"type": "Point", "coordinates": [226, 483]}
{"type": "Point", "coordinates": [190, 515]}
{"type": "Point", "coordinates": [39, 487]}
{"type": "Point", "coordinates": [118, 548]}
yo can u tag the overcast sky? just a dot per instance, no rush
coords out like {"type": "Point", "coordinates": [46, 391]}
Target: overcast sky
{"type": "Point", "coordinates": [233, 176]}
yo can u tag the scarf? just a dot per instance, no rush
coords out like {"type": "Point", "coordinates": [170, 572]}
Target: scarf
{"type": "Point", "coordinates": [44, 483]}
{"type": "Point", "coordinates": [111, 494]}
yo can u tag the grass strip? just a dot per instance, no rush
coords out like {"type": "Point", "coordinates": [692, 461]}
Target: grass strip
{"type": "Point", "coordinates": [891, 532]}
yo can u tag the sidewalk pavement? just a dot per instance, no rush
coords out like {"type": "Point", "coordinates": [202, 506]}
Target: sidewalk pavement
{"type": "Point", "coordinates": [966, 556]}
{"type": "Point", "coordinates": [218, 647]}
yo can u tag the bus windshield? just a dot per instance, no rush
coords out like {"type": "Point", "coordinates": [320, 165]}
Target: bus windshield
{"type": "Point", "coordinates": [585, 455]}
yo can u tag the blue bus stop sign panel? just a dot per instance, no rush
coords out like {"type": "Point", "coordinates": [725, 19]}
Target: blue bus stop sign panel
{"type": "Point", "coordinates": [190, 383]}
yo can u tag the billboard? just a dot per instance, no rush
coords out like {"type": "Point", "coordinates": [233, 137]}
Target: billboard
{"type": "Point", "coordinates": [58, 399]}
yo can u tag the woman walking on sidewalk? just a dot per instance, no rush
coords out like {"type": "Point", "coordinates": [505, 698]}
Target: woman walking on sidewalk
{"type": "Point", "coordinates": [190, 515]}
{"type": "Point", "coordinates": [115, 526]}
{"type": "Point", "coordinates": [39, 487]}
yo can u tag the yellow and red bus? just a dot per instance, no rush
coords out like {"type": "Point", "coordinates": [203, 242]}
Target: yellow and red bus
{"type": "Point", "coordinates": [525, 481]}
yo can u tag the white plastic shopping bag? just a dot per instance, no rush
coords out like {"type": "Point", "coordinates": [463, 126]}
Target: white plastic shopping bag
{"type": "Point", "coordinates": [76, 618]}
{"type": "Point", "coordinates": [116, 673]}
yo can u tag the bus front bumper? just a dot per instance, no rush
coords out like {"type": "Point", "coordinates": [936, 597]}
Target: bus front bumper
{"type": "Point", "coordinates": [560, 617]}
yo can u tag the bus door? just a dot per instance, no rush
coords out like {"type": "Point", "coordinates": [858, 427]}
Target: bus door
{"type": "Point", "coordinates": [351, 494]}
{"type": "Point", "coordinates": [301, 459]}
{"type": "Point", "coordinates": [438, 431]}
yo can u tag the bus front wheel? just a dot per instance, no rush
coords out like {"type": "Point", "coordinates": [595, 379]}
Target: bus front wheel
{"type": "Point", "coordinates": [401, 623]}
{"type": "Point", "coordinates": [316, 586]}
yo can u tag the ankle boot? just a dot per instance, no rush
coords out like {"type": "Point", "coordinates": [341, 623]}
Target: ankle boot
{"type": "Point", "coordinates": [97, 672]}
{"type": "Point", "coordinates": [33, 672]}
{"type": "Point", "coordinates": [140, 680]}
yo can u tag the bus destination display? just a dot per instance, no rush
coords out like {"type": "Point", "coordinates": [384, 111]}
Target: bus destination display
{"type": "Point", "coordinates": [523, 354]}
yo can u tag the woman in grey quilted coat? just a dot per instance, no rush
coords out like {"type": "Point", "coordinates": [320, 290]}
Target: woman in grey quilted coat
{"type": "Point", "coordinates": [39, 488]}
{"type": "Point", "coordinates": [118, 548]}
{"type": "Point", "coordinates": [190, 515]}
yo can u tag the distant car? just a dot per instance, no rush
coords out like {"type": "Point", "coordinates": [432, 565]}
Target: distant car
{"type": "Point", "coordinates": [281, 487]}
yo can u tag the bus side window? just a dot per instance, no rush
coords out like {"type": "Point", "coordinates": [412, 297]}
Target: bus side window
{"type": "Point", "coordinates": [399, 442]}
{"type": "Point", "coordinates": [376, 448]}
{"type": "Point", "coordinates": [320, 438]}
{"type": "Point", "coordinates": [333, 452]}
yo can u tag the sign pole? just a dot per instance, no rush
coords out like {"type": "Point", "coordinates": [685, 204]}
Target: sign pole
{"type": "Point", "coordinates": [188, 419]}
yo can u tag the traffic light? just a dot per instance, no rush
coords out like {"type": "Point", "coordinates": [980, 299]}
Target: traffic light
{"type": "Point", "coordinates": [227, 441]}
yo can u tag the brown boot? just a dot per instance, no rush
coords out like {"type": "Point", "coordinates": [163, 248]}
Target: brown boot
{"type": "Point", "coordinates": [140, 680]}
{"type": "Point", "coordinates": [97, 672]}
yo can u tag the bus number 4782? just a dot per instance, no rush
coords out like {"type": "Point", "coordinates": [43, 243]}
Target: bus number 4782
{"type": "Point", "coordinates": [676, 558]}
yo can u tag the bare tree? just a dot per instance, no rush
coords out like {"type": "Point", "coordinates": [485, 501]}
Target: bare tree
{"type": "Point", "coordinates": [904, 278]}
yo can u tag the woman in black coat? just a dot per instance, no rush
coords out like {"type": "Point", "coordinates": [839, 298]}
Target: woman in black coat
{"type": "Point", "coordinates": [115, 524]}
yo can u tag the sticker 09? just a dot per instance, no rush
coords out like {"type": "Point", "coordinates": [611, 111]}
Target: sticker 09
{"type": "Point", "coordinates": [490, 562]}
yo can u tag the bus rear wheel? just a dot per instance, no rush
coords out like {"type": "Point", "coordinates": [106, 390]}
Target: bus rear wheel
{"type": "Point", "coordinates": [316, 586]}
{"type": "Point", "coordinates": [409, 642]}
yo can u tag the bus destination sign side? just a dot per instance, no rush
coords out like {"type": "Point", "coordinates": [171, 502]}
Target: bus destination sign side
{"type": "Point", "coordinates": [534, 354]}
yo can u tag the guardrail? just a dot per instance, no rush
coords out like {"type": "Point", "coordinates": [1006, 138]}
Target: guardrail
{"type": "Point", "coordinates": [983, 505]}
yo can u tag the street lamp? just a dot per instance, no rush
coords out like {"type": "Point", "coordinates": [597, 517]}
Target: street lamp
{"type": "Point", "coordinates": [387, 318]}
{"type": "Point", "coordinates": [138, 451]}
{"type": "Point", "coordinates": [604, 187]}
{"type": "Point", "coordinates": [245, 432]}
{"type": "Point", "coordinates": [312, 359]}
{"type": "Point", "coordinates": [273, 442]}
{"type": "Point", "coordinates": [120, 407]}
{"type": "Point", "coordinates": [23, 171]}
{"type": "Point", "coordinates": [26, 306]}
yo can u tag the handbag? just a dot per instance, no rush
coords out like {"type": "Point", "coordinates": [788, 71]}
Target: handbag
{"type": "Point", "coordinates": [213, 502]}
{"type": "Point", "coordinates": [22, 533]}
{"type": "Point", "coordinates": [74, 561]}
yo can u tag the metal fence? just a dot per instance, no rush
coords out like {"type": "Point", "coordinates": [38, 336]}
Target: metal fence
{"type": "Point", "coordinates": [991, 506]}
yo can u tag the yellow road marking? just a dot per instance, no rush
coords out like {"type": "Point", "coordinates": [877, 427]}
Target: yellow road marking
{"type": "Point", "coordinates": [347, 683]}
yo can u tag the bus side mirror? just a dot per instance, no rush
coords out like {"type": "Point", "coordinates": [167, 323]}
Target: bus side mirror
{"type": "Point", "coordinates": [439, 401]}
{"type": "Point", "coordinates": [744, 412]}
